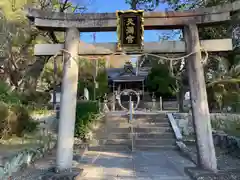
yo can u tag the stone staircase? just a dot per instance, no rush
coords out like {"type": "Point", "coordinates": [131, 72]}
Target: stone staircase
{"type": "Point", "coordinates": [151, 132]}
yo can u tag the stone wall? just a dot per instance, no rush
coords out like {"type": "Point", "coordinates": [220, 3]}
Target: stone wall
{"type": "Point", "coordinates": [220, 122]}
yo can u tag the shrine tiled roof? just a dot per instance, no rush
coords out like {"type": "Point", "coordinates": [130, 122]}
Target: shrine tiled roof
{"type": "Point", "coordinates": [130, 78]}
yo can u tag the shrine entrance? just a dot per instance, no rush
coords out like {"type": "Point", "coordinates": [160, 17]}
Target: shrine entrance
{"type": "Point", "coordinates": [127, 84]}
{"type": "Point", "coordinates": [130, 27]}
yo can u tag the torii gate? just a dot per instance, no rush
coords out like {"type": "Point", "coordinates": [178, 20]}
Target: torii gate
{"type": "Point", "coordinates": [189, 21]}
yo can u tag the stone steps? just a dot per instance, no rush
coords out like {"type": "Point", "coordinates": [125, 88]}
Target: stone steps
{"type": "Point", "coordinates": [113, 148]}
{"type": "Point", "coordinates": [119, 130]}
{"type": "Point", "coordinates": [124, 130]}
{"type": "Point", "coordinates": [160, 115]}
{"type": "Point", "coordinates": [150, 142]}
{"type": "Point", "coordinates": [148, 120]}
{"type": "Point", "coordinates": [127, 148]}
{"type": "Point", "coordinates": [118, 136]}
{"type": "Point", "coordinates": [152, 129]}
{"type": "Point", "coordinates": [158, 135]}
{"type": "Point", "coordinates": [101, 142]}
{"type": "Point", "coordinates": [151, 132]}
{"type": "Point", "coordinates": [140, 124]}
{"type": "Point", "coordinates": [149, 125]}
{"type": "Point", "coordinates": [140, 177]}
{"type": "Point", "coordinates": [137, 141]}
{"type": "Point", "coordinates": [154, 147]}
{"type": "Point", "coordinates": [155, 135]}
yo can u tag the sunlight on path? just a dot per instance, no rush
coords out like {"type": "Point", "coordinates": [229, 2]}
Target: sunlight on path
{"type": "Point", "coordinates": [162, 165]}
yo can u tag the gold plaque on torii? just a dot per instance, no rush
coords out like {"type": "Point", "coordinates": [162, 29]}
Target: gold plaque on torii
{"type": "Point", "coordinates": [130, 30]}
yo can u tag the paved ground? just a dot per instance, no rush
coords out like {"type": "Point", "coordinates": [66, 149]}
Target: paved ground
{"type": "Point", "coordinates": [163, 165]}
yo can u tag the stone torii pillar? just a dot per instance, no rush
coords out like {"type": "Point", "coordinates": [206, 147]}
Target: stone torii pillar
{"type": "Point", "coordinates": [68, 101]}
{"type": "Point", "coordinates": [199, 102]}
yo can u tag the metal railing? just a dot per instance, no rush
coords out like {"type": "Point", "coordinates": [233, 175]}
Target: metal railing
{"type": "Point", "coordinates": [131, 111]}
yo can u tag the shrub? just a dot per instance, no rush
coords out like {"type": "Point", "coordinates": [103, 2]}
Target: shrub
{"type": "Point", "coordinates": [16, 121]}
{"type": "Point", "coordinates": [85, 114]}
{"type": "Point", "coordinates": [4, 116]}
{"type": "Point", "coordinates": [19, 119]}
{"type": "Point", "coordinates": [35, 97]}
{"type": "Point", "coordinates": [15, 118]}
{"type": "Point", "coordinates": [8, 96]}
{"type": "Point", "coordinates": [161, 82]}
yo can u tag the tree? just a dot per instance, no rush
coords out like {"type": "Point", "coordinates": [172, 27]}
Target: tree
{"type": "Point", "coordinates": [22, 67]}
{"type": "Point", "coordinates": [160, 81]}
{"type": "Point", "coordinates": [147, 5]}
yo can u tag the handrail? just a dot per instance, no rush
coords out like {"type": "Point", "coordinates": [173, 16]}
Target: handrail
{"type": "Point", "coordinates": [175, 127]}
{"type": "Point", "coordinates": [131, 108]}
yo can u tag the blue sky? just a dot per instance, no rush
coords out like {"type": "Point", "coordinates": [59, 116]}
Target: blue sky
{"type": "Point", "coordinates": [112, 6]}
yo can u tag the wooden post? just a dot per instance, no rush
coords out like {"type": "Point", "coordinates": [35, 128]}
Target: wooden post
{"type": "Point", "coordinates": [68, 101]}
{"type": "Point", "coordinates": [200, 110]}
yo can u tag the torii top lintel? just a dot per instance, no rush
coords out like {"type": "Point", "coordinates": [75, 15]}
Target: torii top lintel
{"type": "Point", "coordinates": [92, 22]}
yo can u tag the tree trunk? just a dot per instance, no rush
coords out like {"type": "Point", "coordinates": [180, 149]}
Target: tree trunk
{"type": "Point", "coordinates": [134, 4]}
{"type": "Point", "coordinates": [34, 72]}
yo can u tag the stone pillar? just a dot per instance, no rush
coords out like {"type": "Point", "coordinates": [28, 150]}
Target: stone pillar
{"type": "Point", "coordinates": [68, 101]}
{"type": "Point", "coordinates": [199, 102]}
{"type": "Point", "coordinates": [107, 63]}
{"type": "Point", "coordinates": [86, 94]}
{"type": "Point", "coordinates": [160, 103]}
{"type": "Point", "coordinates": [114, 100]}
{"type": "Point", "coordinates": [154, 107]}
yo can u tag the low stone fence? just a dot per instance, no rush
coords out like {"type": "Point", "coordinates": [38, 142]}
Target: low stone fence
{"type": "Point", "coordinates": [225, 141]}
{"type": "Point", "coordinates": [220, 122]}
{"type": "Point", "coordinates": [25, 157]}
{"type": "Point", "coordinates": [223, 125]}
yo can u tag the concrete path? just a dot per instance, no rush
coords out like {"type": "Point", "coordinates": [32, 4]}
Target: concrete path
{"type": "Point", "coordinates": [162, 165]}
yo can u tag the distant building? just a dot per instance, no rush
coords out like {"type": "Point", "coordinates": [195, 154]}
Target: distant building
{"type": "Point", "coordinates": [127, 77]}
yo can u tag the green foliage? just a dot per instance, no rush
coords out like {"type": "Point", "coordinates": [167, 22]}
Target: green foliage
{"type": "Point", "coordinates": [8, 96]}
{"type": "Point", "coordinates": [87, 72]}
{"type": "Point", "coordinates": [160, 81]}
{"type": "Point", "coordinates": [86, 113]}
{"type": "Point", "coordinates": [224, 95]}
{"type": "Point", "coordinates": [4, 111]}
{"type": "Point", "coordinates": [20, 36]}
{"type": "Point", "coordinates": [15, 118]}
{"type": "Point", "coordinates": [102, 80]}
{"type": "Point", "coordinates": [15, 121]}
{"type": "Point", "coordinates": [147, 5]}
{"type": "Point", "coordinates": [20, 121]}
{"type": "Point", "coordinates": [85, 84]}
{"type": "Point", "coordinates": [35, 98]}
{"type": "Point", "coordinates": [229, 126]}
{"type": "Point", "coordinates": [47, 76]}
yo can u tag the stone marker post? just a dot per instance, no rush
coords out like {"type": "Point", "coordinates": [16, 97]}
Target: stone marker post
{"type": "Point", "coordinates": [68, 101]}
{"type": "Point", "coordinates": [160, 103]}
{"type": "Point", "coordinates": [114, 100]}
{"type": "Point", "coordinates": [199, 102]}
{"type": "Point", "coordinates": [154, 107]}
{"type": "Point", "coordinates": [86, 94]}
